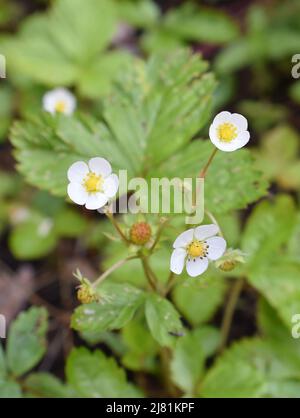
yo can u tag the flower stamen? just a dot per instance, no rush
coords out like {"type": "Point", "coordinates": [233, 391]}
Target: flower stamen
{"type": "Point", "coordinates": [60, 106]}
{"type": "Point", "coordinates": [227, 132]}
{"type": "Point", "coordinates": [197, 249]}
{"type": "Point", "coordinates": [93, 182]}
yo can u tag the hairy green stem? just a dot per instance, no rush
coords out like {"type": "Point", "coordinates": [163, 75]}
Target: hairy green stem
{"type": "Point", "coordinates": [229, 312]}
{"type": "Point", "coordinates": [114, 267]}
{"type": "Point", "coordinates": [117, 227]}
{"type": "Point", "coordinates": [152, 280]}
{"type": "Point", "coordinates": [203, 172]}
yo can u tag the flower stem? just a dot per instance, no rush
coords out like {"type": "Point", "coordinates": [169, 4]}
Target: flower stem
{"type": "Point", "coordinates": [229, 311]}
{"type": "Point", "coordinates": [117, 227]}
{"type": "Point", "coordinates": [114, 267]}
{"type": "Point", "coordinates": [152, 280]}
{"type": "Point", "coordinates": [169, 285]}
{"type": "Point", "coordinates": [214, 221]}
{"type": "Point", "coordinates": [203, 172]}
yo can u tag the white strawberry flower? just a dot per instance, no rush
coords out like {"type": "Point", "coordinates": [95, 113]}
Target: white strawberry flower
{"type": "Point", "coordinates": [195, 247]}
{"type": "Point", "coordinates": [59, 100]}
{"type": "Point", "coordinates": [228, 132]}
{"type": "Point", "coordinates": [92, 184]}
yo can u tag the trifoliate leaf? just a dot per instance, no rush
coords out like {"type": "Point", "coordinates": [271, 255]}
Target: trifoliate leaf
{"type": "Point", "coordinates": [155, 109]}
{"type": "Point", "coordinates": [26, 343]}
{"type": "Point", "coordinates": [163, 320]}
{"type": "Point", "coordinates": [93, 375]}
{"type": "Point", "coordinates": [58, 47]}
{"type": "Point", "coordinates": [117, 305]}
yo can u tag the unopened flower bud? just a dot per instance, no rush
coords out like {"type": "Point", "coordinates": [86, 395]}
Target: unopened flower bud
{"type": "Point", "coordinates": [85, 293]}
{"type": "Point", "coordinates": [230, 260]}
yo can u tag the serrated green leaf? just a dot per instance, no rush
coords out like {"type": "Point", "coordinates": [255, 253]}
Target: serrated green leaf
{"type": "Point", "coordinates": [267, 230]}
{"type": "Point", "coordinates": [163, 320]}
{"type": "Point", "coordinates": [10, 389]}
{"type": "Point", "coordinates": [197, 301]}
{"type": "Point", "coordinates": [117, 305]}
{"type": "Point", "coordinates": [192, 23]}
{"type": "Point", "coordinates": [57, 47]}
{"type": "Point", "coordinates": [33, 238]}
{"type": "Point", "coordinates": [141, 348]}
{"type": "Point", "coordinates": [188, 362]}
{"type": "Point", "coordinates": [93, 375]}
{"type": "Point", "coordinates": [241, 369]}
{"type": "Point", "coordinates": [69, 223]}
{"type": "Point", "coordinates": [45, 385]}
{"type": "Point", "coordinates": [26, 343]}
{"type": "Point", "coordinates": [279, 283]}
{"type": "Point", "coordinates": [234, 173]}
{"type": "Point", "coordinates": [255, 368]}
{"type": "Point", "coordinates": [139, 13]}
{"type": "Point", "coordinates": [277, 157]}
{"type": "Point", "coordinates": [154, 111]}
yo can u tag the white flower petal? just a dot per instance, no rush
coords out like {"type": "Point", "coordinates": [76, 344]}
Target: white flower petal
{"type": "Point", "coordinates": [111, 185]}
{"type": "Point", "coordinates": [239, 121]}
{"type": "Point", "coordinates": [96, 201]}
{"type": "Point", "coordinates": [184, 238]}
{"type": "Point", "coordinates": [77, 193]}
{"type": "Point", "coordinates": [217, 247]}
{"type": "Point", "coordinates": [226, 146]}
{"type": "Point", "coordinates": [177, 260]}
{"type": "Point", "coordinates": [78, 171]}
{"type": "Point", "coordinates": [100, 166]}
{"type": "Point", "coordinates": [196, 266]}
{"type": "Point", "coordinates": [205, 231]}
{"type": "Point", "coordinates": [221, 118]}
{"type": "Point", "coordinates": [243, 139]}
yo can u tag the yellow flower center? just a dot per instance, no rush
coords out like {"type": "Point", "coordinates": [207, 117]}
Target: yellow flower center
{"type": "Point", "coordinates": [60, 106]}
{"type": "Point", "coordinates": [227, 132]}
{"type": "Point", "coordinates": [197, 249]}
{"type": "Point", "coordinates": [93, 183]}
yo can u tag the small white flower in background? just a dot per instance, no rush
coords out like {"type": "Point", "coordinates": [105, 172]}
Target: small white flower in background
{"type": "Point", "coordinates": [228, 132]}
{"type": "Point", "coordinates": [92, 184]}
{"type": "Point", "coordinates": [59, 100]}
{"type": "Point", "coordinates": [195, 247]}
